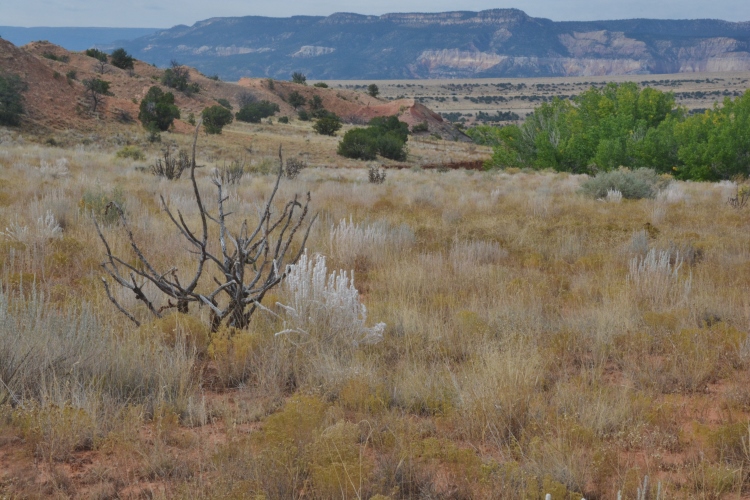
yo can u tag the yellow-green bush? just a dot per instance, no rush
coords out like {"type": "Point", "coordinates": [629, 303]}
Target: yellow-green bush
{"type": "Point", "coordinates": [55, 432]}
{"type": "Point", "coordinates": [132, 152]}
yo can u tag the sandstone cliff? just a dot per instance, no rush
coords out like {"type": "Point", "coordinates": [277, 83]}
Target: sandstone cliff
{"type": "Point", "coordinates": [491, 43]}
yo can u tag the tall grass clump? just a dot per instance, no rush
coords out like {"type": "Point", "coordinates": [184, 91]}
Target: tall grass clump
{"type": "Point", "coordinates": [351, 243]}
{"type": "Point", "coordinates": [68, 356]}
{"type": "Point", "coordinates": [465, 255]}
{"type": "Point", "coordinates": [46, 228]}
{"type": "Point", "coordinates": [325, 307]}
{"type": "Point", "coordinates": [655, 277]}
{"type": "Point", "coordinates": [631, 184]}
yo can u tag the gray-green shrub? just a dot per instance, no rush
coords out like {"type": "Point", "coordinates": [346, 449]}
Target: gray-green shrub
{"type": "Point", "coordinates": [633, 184]}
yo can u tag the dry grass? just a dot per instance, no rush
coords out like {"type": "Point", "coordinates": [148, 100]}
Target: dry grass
{"type": "Point", "coordinates": [536, 341]}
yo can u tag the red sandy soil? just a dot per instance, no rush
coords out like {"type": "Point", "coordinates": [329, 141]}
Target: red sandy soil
{"type": "Point", "coordinates": [121, 470]}
{"type": "Point", "coordinates": [55, 102]}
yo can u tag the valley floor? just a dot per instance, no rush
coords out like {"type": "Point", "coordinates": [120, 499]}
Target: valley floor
{"type": "Point", "coordinates": [536, 341]}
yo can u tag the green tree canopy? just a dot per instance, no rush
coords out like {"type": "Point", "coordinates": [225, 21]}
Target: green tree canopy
{"type": "Point", "coordinates": [385, 136]}
{"type": "Point", "coordinates": [121, 59]}
{"type": "Point", "coordinates": [295, 99]}
{"type": "Point", "coordinates": [328, 124]}
{"type": "Point", "coordinates": [96, 90]}
{"type": "Point", "coordinates": [97, 54]}
{"type": "Point", "coordinates": [254, 112]}
{"type": "Point", "coordinates": [385, 124]}
{"type": "Point", "coordinates": [603, 128]}
{"type": "Point", "coordinates": [624, 125]}
{"type": "Point", "coordinates": [215, 118]}
{"type": "Point", "coordinates": [716, 144]}
{"type": "Point", "coordinates": [11, 99]}
{"type": "Point", "coordinates": [158, 110]}
{"type": "Point", "coordinates": [373, 90]}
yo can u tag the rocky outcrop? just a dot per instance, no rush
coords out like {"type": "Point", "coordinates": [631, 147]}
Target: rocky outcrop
{"type": "Point", "coordinates": [313, 51]}
{"type": "Point", "coordinates": [603, 44]}
{"type": "Point", "coordinates": [439, 61]}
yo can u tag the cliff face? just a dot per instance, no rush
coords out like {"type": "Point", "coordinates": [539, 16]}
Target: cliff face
{"type": "Point", "coordinates": [491, 43]}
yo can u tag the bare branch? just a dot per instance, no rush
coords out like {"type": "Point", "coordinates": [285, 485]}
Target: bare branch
{"type": "Point", "coordinates": [243, 275]}
{"type": "Point", "coordinates": [117, 304]}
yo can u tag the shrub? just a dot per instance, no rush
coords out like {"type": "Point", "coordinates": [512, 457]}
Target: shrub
{"type": "Point", "coordinates": [96, 89]}
{"type": "Point", "coordinates": [294, 167]}
{"type": "Point", "coordinates": [254, 267]}
{"type": "Point", "coordinates": [232, 173]}
{"type": "Point", "coordinates": [283, 119]}
{"type": "Point", "coordinates": [391, 146]}
{"type": "Point", "coordinates": [95, 202]}
{"type": "Point", "coordinates": [133, 152]}
{"type": "Point", "coordinates": [385, 136]}
{"type": "Point", "coordinates": [158, 111]}
{"type": "Point", "coordinates": [11, 100]}
{"type": "Point", "coordinates": [359, 144]}
{"type": "Point", "coordinates": [375, 175]}
{"type": "Point", "coordinates": [215, 118]}
{"type": "Point", "coordinates": [632, 184]}
{"type": "Point", "coordinates": [299, 78]}
{"type": "Point", "coordinates": [316, 106]}
{"type": "Point", "coordinates": [420, 127]}
{"type": "Point", "coordinates": [386, 124]}
{"type": "Point", "coordinates": [225, 103]}
{"type": "Point", "coordinates": [46, 228]}
{"type": "Point", "coordinates": [327, 125]}
{"type": "Point", "coordinates": [373, 90]}
{"type": "Point", "coordinates": [303, 115]}
{"type": "Point", "coordinates": [97, 54]}
{"type": "Point", "coordinates": [321, 85]}
{"type": "Point", "coordinates": [295, 99]}
{"type": "Point", "coordinates": [254, 112]}
{"type": "Point", "coordinates": [171, 167]}
{"type": "Point", "coordinates": [71, 74]}
{"type": "Point", "coordinates": [178, 77]}
{"type": "Point", "coordinates": [121, 59]}
{"type": "Point", "coordinates": [55, 57]}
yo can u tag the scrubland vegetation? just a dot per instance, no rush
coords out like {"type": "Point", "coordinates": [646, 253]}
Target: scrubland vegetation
{"type": "Point", "coordinates": [455, 334]}
{"type": "Point", "coordinates": [622, 125]}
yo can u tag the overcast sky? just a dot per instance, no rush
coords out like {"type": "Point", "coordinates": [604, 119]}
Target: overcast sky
{"type": "Point", "coordinates": [167, 13]}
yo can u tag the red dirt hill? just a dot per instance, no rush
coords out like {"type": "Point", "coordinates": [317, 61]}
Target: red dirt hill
{"type": "Point", "coordinates": [355, 107]}
{"type": "Point", "coordinates": [56, 98]}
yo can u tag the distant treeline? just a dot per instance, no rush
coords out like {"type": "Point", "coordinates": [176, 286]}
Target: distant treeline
{"type": "Point", "coordinates": [624, 125]}
{"type": "Point", "coordinates": [481, 116]}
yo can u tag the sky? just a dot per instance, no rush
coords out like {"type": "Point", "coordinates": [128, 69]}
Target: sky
{"type": "Point", "coordinates": [168, 13]}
